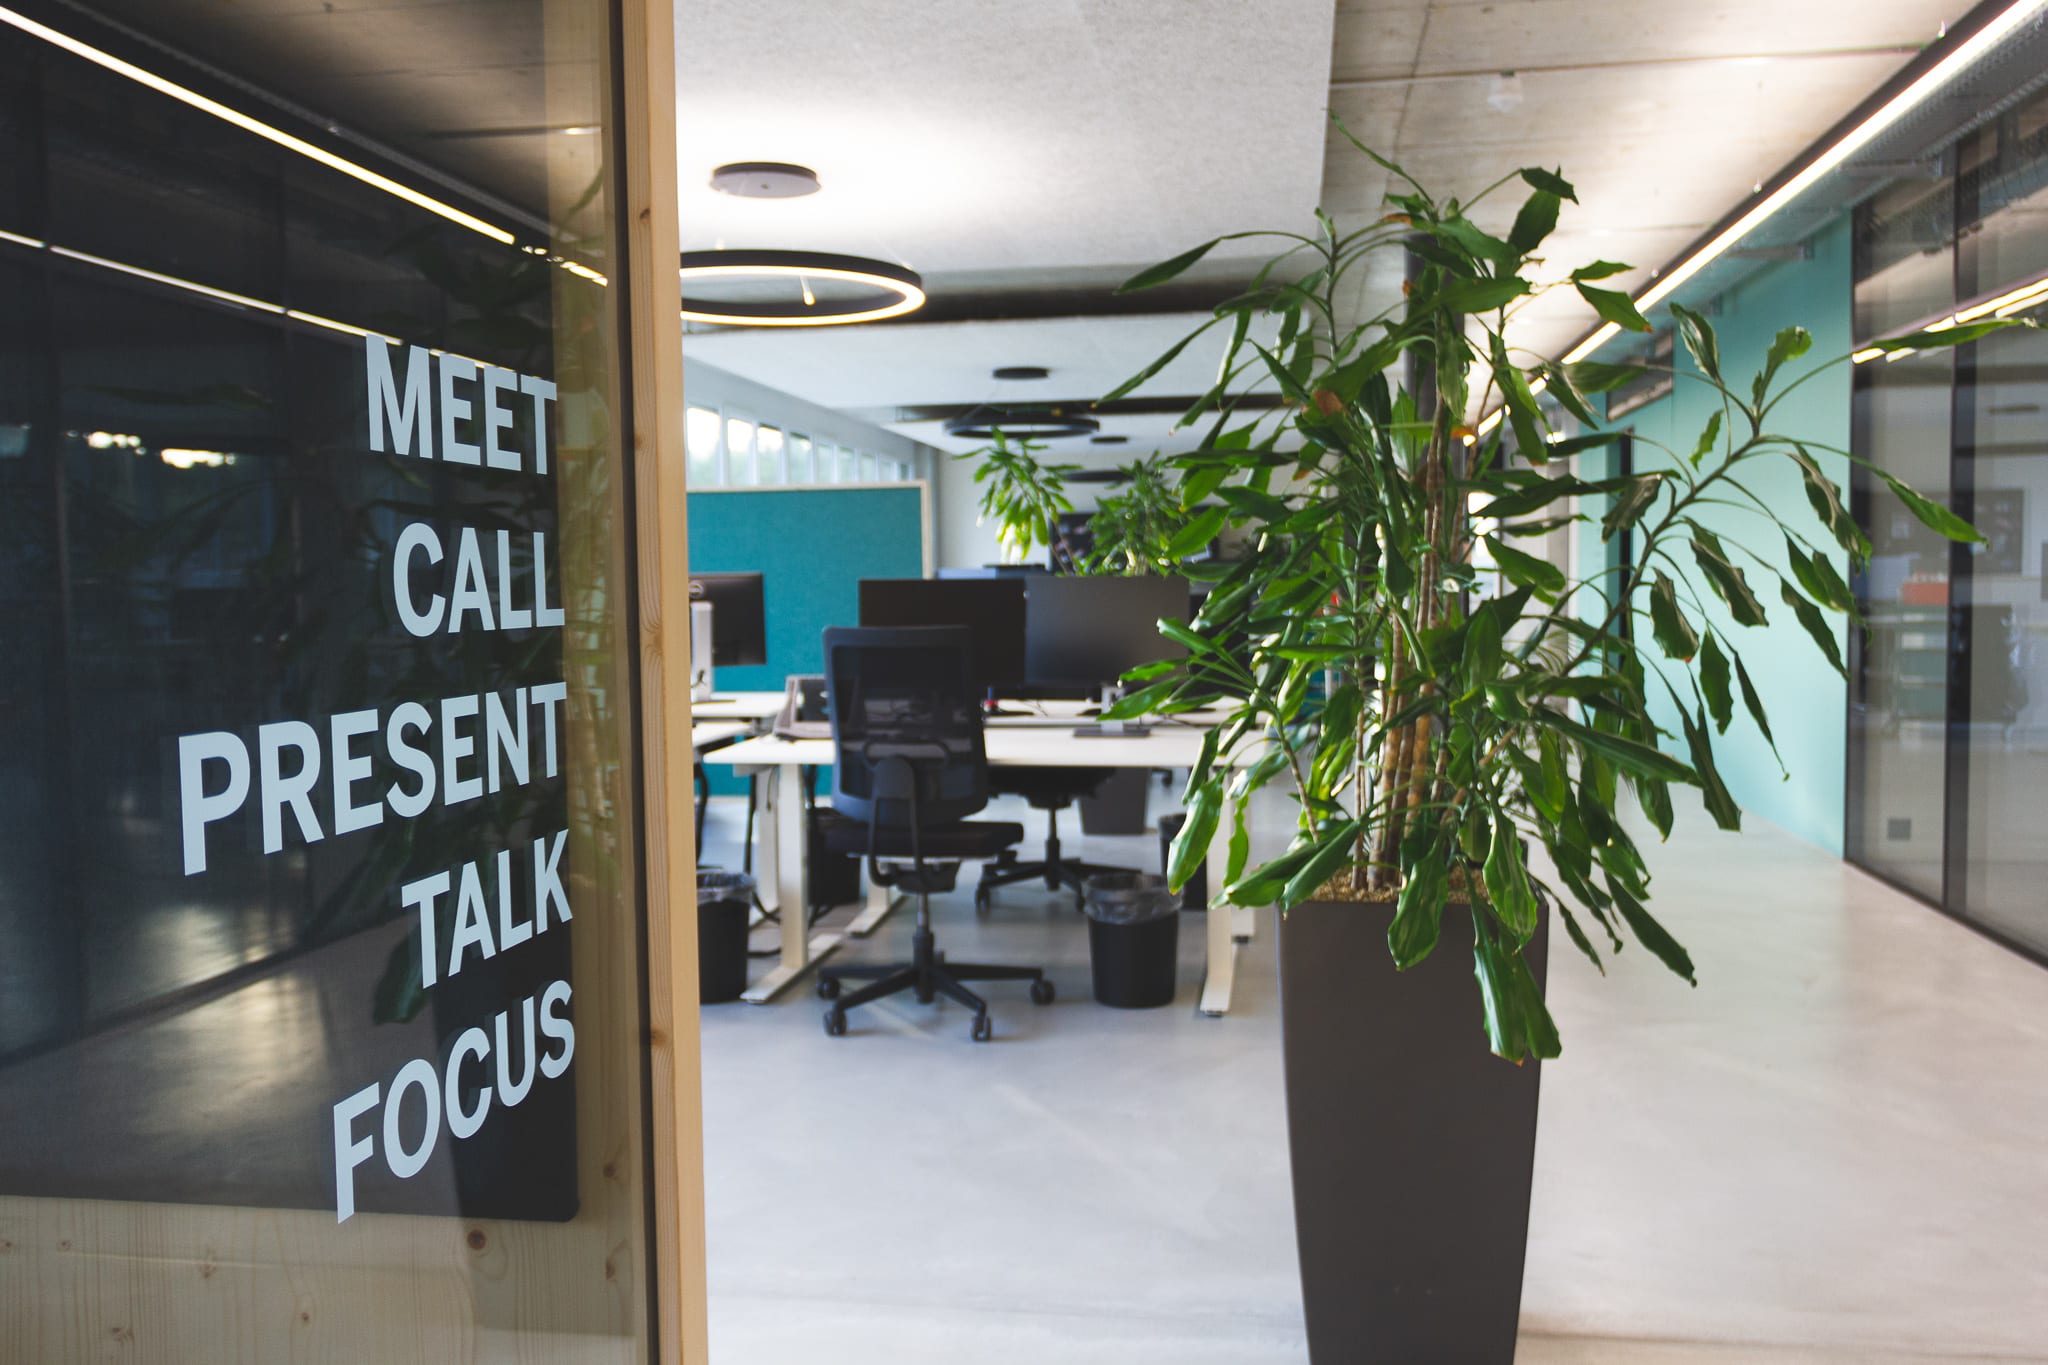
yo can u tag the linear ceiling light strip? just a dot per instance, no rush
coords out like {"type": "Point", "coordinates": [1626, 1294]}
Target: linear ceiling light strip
{"type": "Point", "coordinates": [253, 125]}
{"type": "Point", "coordinates": [1941, 73]}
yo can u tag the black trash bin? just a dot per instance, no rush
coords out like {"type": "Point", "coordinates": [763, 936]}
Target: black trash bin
{"type": "Point", "coordinates": [1194, 895]}
{"type": "Point", "coordinates": [1133, 939]}
{"type": "Point", "coordinates": [725, 902]}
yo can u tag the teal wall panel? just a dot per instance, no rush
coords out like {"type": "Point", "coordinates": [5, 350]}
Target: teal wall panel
{"type": "Point", "coordinates": [1805, 698]}
{"type": "Point", "coordinates": [812, 547]}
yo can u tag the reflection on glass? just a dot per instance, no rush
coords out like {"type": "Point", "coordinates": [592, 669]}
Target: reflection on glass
{"type": "Point", "coordinates": [2006, 617]}
{"type": "Point", "coordinates": [849, 465]}
{"type": "Point", "coordinates": [230, 551]}
{"type": "Point", "coordinates": [800, 470]}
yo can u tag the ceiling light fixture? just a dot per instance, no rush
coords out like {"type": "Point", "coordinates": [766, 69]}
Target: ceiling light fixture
{"type": "Point", "coordinates": [896, 290]}
{"type": "Point", "coordinates": [1023, 372]}
{"type": "Point", "coordinates": [1107, 440]}
{"type": "Point", "coordinates": [765, 180]}
{"type": "Point", "coordinates": [1023, 426]}
{"type": "Point", "coordinates": [251, 125]}
{"type": "Point", "coordinates": [1844, 147]}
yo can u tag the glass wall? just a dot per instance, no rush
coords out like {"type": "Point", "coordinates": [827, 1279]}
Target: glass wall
{"type": "Point", "coordinates": [1948, 743]}
{"type": "Point", "coordinates": [321, 1008]}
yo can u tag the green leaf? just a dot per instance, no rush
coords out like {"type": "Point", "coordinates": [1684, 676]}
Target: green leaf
{"type": "Point", "coordinates": [1932, 514]}
{"type": "Point", "coordinates": [1675, 635]}
{"type": "Point", "coordinates": [1791, 343]}
{"type": "Point", "coordinates": [1508, 893]}
{"type": "Point", "coordinates": [1698, 335]}
{"type": "Point", "coordinates": [1600, 270]}
{"type": "Point", "coordinates": [1197, 533]}
{"type": "Point", "coordinates": [1200, 483]}
{"type": "Point", "coordinates": [1523, 417]}
{"type": "Point", "coordinates": [1655, 799]}
{"type": "Point", "coordinates": [1630, 756]}
{"type": "Point", "coordinates": [1161, 363]}
{"type": "Point", "coordinates": [1709, 438]}
{"type": "Point", "coordinates": [1537, 219]}
{"type": "Point", "coordinates": [1567, 395]}
{"type": "Point", "coordinates": [1264, 884]}
{"type": "Point", "coordinates": [1931, 340]}
{"type": "Point", "coordinates": [1612, 306]}
{"type": "Point", "coordinates": [1166, 270]}
{"type": "Point", "coordinates": [1482, 245]}
{"type": "Point", "coordinates": [1653, 935]}
{"type": "Point", "coordinates": [1191, 845]}
{"type": "Point", "coordinates": [1518, 1023]}
{"type": "Point", "coordinates": [1637, 497]}
{"type": "Point", "coordinates": [1714, 682]}
{"type": "Point", "coordinates": [1483, 295]}
{"type": "Point", "coordinates": [1418, 913]}
{"type": "Point", "coordinates": [1817, 575]}
{"type": "Point", "coordinates": [1579, 939]}
{"type": "Point", "coordinates": [1825, 495]}
{"type": "Point", "coordinates": [1542, 577]}
{"type": "Point", "coordinates": [1816, 625]}
{"type": "Point", "coordinates": [1594, 376]}
{"type": "Point", "coordinates": [1329, 857]}
{"type": "Point", "coordinates": [1755, 704]}
{"type": "Point", "coordinates": [1713, 792]}
{"type": "Point", "coordinates": [1728, 579]}
{"type": "Point", "coordinates": [1240, 842]}
{"type": "Point", "coordinates": [1550, 182]}
{"type": "Point", "coordinates": [1572, 445]}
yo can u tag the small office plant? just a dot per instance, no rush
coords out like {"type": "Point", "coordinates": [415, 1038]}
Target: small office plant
{"type": "Point", "coordinates": [1023, 495]}
{"type": "Point", "coordinates": [1480, 703]}
{"type": "Point", "coordinates": [1134, 529]}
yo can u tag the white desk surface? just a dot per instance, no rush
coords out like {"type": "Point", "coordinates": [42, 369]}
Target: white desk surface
{"type": "Point", "coordinates": [717, 732]}
{"type": "Point", "coordinates": [1039, 746]}
{"type": "Point", "coordinates": [738, 706]}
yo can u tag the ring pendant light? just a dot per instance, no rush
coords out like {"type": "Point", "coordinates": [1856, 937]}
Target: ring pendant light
{"type": "Point", "coordinates": [894, 289]}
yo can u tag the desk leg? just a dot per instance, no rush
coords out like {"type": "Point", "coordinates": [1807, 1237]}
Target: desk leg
{"type": "Point", "coordinates": [784, 847]}
{"type": "Point", "coordinates": [1221, 924]}
{"type": "Point", "coordinates": [881, 900]}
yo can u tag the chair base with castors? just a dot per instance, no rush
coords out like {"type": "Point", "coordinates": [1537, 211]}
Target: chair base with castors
{"type": "Point", "coordinates": [929, 975]}
{"type": "Point", "coordinates": [1051, 790]}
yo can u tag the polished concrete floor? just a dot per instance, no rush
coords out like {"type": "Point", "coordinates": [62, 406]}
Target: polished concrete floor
{"type": "Point", "coordinates": [1834, 1151]}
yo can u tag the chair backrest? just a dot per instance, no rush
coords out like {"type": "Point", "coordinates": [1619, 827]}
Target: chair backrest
{"type": "Point", "coordinates": [905, 717]}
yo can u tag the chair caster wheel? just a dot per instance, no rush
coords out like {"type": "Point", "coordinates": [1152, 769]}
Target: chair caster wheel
{"type": "Point", "coordinates": [983, 1029]}
{"type": "Point", "coordinates": [828, 988]}
{"type": "Point", "coordinates": [835, 1022]}
{"type": "Point", "coordinates": [1041, 992]}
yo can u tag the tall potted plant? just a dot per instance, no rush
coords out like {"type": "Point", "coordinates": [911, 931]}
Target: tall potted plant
{"type": "Point", "coordinates": [1479, 704]}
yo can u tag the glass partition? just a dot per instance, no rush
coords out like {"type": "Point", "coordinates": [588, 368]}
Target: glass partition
{"type": "Point", "coordinates": [322, 1012]}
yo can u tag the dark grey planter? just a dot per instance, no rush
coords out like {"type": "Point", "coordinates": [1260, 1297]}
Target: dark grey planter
{"type": "Point", "coordinates": [1412, 1144]}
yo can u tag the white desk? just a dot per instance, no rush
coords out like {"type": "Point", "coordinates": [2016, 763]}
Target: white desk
{"type": "Point", "coordinates": [783, 842]}
{"type": "Point", "coordinates": [703, 734]}
{"type": "Point", "coordinates": [738, 706]}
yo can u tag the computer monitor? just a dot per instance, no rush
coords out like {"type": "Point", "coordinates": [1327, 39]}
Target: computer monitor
{"type": "Point", "coordinates": [739, 620]}
{"type": "Point", "coordinates": [993, 608]}
{"type": "Point", "coordinates": [1088, 630]}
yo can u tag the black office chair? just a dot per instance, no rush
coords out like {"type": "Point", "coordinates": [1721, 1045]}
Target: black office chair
{"type": "Point", "coordinates": [1051, 790]}
{"type": "Point", "coordinates": [909, 765]}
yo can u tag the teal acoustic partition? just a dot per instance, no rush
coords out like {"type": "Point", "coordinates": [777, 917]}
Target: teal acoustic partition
{"type": "Point", "coordinates": [811, 546]}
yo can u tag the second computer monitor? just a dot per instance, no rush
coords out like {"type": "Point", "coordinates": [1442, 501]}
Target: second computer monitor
{"type": "Point", "coordinates": [739, 620]}
{"type": "Point", "coordinates": [993, 608]}
{"type": "Point", "coordinates": [1087, 630]}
